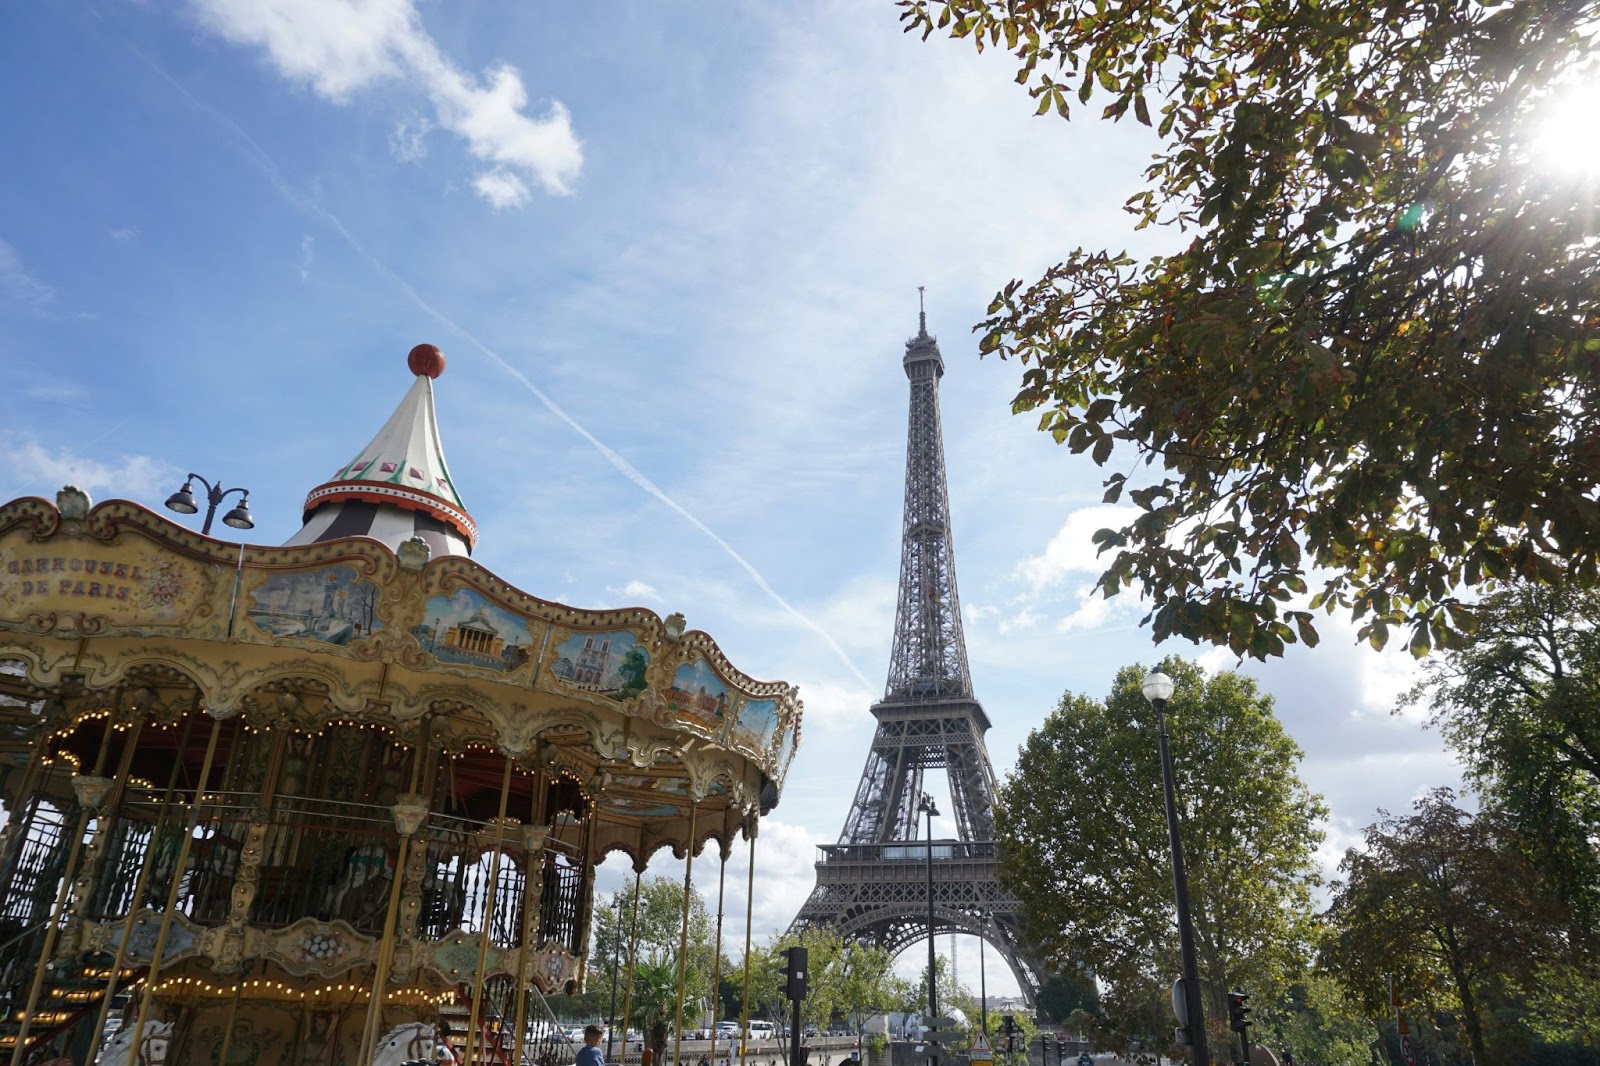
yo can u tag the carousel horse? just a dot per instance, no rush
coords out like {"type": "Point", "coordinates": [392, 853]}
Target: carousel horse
{"type": "Point", "coordinates": [362, 888]}
{"type": "Point", "coordinates": [152, 1049]}
{"type": "Point", "coordinates": [413, 1042]}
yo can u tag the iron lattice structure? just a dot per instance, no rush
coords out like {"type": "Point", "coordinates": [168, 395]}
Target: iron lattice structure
{"type": "Point", "coordinates": [873, 884]}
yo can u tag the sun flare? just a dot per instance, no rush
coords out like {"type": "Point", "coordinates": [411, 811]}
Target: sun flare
{"type": "Point", "coordinates": [1565, 131]}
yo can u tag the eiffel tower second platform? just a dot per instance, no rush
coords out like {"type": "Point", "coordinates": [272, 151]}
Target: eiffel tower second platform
{"type": "Point", "coordinates": [873, 884]}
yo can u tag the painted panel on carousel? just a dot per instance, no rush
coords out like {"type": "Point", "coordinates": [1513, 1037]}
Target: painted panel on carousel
{"type": "Point", "coordinates": [608, 664]}
{"type": "Point", "coordinates": [698, 694]}
{"type": "Point", "coordinates": [128, 585]}
{"type": "Point", "coordinates": [638, 808]}
{"type": "Point", "coordinates": [333, 605]}
{"type": "Point", "coordinates": [786, 752]}
{"type": "Point", "coordinates": [467, 628]}
{"type": "Point", "coordinates": [755, 725]}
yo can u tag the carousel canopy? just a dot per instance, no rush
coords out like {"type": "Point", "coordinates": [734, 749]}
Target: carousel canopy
{"type": "Point", "coordinates": [374, 614]}
{"type": "Point", "coordinates": [398, 486]}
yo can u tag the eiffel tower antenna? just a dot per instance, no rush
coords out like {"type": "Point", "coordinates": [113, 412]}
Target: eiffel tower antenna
{"type": "Point", "coordinates": [870, 885]}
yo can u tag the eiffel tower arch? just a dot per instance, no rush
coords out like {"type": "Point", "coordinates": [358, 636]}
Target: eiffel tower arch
{"type": "Point", "coordinates": [873, 883]}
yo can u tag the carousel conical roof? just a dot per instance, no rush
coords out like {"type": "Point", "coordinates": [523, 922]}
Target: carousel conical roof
{"type": "Point", "coordinates": [398, 486]}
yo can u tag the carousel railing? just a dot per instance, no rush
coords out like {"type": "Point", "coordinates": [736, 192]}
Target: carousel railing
{"type": "Point", "coordinates": [335, 860]}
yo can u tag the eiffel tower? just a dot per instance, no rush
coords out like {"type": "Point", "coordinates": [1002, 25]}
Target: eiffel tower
{"type": "Point", "coordinates": [873, 884]}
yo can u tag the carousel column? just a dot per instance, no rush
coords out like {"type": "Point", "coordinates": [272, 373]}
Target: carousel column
{"type": "Point", "coordinates": [88, 880]}
{"type": "Point", "coordinates": [591, 838]}
{"type": "Point", "coordinates": [683, 933]}
{"type": "Point", "coordinates": [409, 814]}
{"type": "Point", "coordinates": [90, 791]}
{"type": "Point", "coordinates": [247, 879]}
{"type": "Point", "coordinates": [716, 958]}
{"type": "Point", "coordinates": [403, 957]}
{"type": "Point", "coordinates": [219, 716]}
{"type": "Point", "coordinates": [488, 912]}
{"type": "Point", "coordinates": [749, 912]}
{"type": "Point", "coordinates": [533, 837]}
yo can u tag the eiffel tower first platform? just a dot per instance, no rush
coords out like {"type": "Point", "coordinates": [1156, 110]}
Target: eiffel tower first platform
{"type": "Point", "coordinates": [873, 884]}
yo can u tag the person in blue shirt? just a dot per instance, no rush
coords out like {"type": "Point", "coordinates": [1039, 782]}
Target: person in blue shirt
{"type": "Point", "coordinates": [590, 1054]}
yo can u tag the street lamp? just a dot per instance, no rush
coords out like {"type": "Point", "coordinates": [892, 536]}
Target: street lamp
{"type": "Point", "coordinates": [1158, 690]}
{"type": "Point", "coordinates": [925, 805]}
{"type": "Point", "coordinates": [183, 502]}
{"type": "Point", "coordinates": [983, 985]}
{"type": "Point", "coordinates": [616, 964]}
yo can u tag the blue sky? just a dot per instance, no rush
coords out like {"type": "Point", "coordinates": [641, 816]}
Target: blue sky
{"type": "Point", "coordinates": [671, 252]}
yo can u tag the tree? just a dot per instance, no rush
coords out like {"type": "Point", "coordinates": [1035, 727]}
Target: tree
{"type": "Point", "coordinates": [1312, 1019]}
{"type": "Point", "coordinates": [1061, 994]}
{"type": "Point", "coordinates": [1448, 904]}
{"type": "Point", "coordinates": [660, 928]}
{"type": "Point", "coordinates": [867, 983]}
{"type": "Point", "coordinates": [631, 672]}
{"type": "Point", "coordinates": [1520, 704]}
{"type": "Point", "coordinates": [843, 978]}
{"type": "Point", "coordinates": [656, 1009]}
{"type": "Point", "coordinates": [1377, 358]}
{"type": "Point", "coordinates": [1084, 846]}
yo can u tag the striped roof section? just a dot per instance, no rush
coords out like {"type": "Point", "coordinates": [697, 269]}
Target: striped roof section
{"type": "Point", "coordinates": [402, 469]}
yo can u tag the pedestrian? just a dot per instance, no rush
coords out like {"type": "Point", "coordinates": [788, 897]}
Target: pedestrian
{"type": "Point", "coordinates": [590, 1054]}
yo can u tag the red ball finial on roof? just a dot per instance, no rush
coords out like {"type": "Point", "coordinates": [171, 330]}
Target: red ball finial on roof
{"type": "Point", "coordinates": [426, 360]}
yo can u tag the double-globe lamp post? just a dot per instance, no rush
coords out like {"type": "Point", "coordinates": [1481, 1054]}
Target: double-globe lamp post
{"type": "Point", "coordinates": [616, 964]}
{"type": "Point", "coordinates": [1158, 690]}
{"type": "Point", "coordinates": [183, 502]}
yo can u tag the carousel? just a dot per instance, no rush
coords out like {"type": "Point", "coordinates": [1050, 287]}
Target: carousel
{"type": "Point", "coordinates": [339, 801]}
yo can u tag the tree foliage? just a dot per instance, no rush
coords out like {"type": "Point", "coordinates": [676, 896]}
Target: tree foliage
{"type": "Point", "coordinates": [1063, 994]}
{"type": "Point", "coordinates": [1312, 1019]}
{"type": "Point", "coordinates": [1520, 704]}
{"type": "Point", "coordinates": [1449, 905]}
{"type": "Point", "coordinates": [656, 1010]}
{"type": "Point", "coordinates": [1095, 877]}
{"type": "Point", "coordinates": [1376, 362]}
{"type": "Point", "coordinates": [844, 978]}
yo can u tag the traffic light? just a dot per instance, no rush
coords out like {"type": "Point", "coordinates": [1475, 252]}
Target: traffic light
{"type": "Point", "coordinates": [1239, 1011]}
{"type": "Point", "coordinates": [793, 972]}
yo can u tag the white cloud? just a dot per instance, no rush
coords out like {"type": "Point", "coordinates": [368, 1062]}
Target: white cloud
{"type": "Point", "coordinates": [409, 138]}
{"type": "Point", "coordinates": [33, 468]}
{"type": "Point", "coordinates": [1092, 611]}
{"type": "Point", "coordinates": [501, 188]}
{"type": "Point", "coordinates": [1072, 549]}
{"type": "Point", "coordinates": [834, 707]}
{"type": "Point", "coordinates": [1026, 618]}
{"type": "Point", "coordinates": [637, 590]}
{"type": "Point", "coordinates": [123, 234]}
{"type": "Point", "coordinates": [308, 255]}
{"type": "Point", "coordinates": [54, 393]}
{"type": "Point", "coordinates": [20, 288]}
{"type": "Point", "coordinates": [340, 47]}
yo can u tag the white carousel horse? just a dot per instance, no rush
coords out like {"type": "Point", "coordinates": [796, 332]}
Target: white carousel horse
{"type": "Point", "coordinates": [412, 1042]}
{"type": "Point", "coordinates": [152, 1049]}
